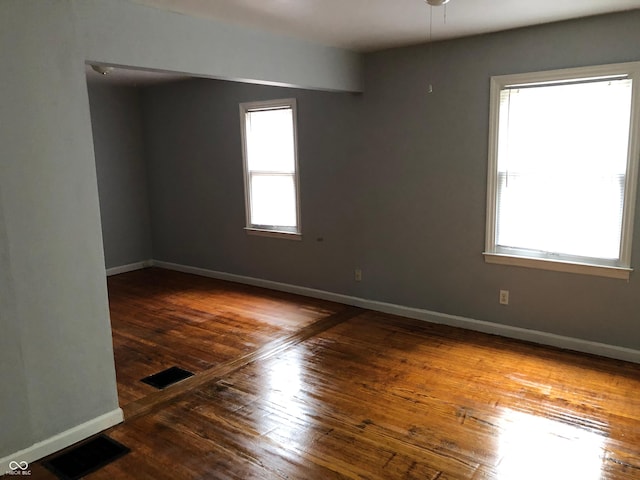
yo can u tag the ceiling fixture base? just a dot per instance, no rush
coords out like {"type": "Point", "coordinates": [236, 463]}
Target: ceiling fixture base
{"type": "Point", "coordinates": [102, 69]}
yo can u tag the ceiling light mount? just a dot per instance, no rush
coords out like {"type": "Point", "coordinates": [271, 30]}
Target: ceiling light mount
{"type": "Point", "coordinates": [433, 3]}
{"type": "Point", "coordinates": [102, 69]}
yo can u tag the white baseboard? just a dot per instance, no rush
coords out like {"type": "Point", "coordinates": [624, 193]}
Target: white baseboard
{"type": "Point", "coordinates": [129, 268]}
{"type": "Point", "coordinates": [535, 336]}
{"type": "Point", "coordinates": [62, 440]}
{"type": "Point", "coordinates": [259, 282]}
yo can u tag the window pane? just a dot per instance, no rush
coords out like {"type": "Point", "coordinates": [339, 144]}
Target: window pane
{"type": "Point", "coordinates": [270, 146]}
{"type": "Point", "coordinates": [273, 200]}
{"type": "Point", "coordinates": [581, 216]}
{"type": "Point", "coordinates": [568, 128]}
{"type": "Point", "coordinates": [562, 159]}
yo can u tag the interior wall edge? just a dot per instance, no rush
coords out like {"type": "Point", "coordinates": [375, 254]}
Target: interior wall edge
{"type": "Point", "coordinates": [122, 33]}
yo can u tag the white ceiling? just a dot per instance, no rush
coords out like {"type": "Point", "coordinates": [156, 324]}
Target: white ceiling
{"type": "Point", "coordinates": [366, 25]}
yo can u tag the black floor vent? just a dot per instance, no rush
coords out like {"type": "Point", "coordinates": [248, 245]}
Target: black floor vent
{"type": "Point", "coordinates": [167, 377]}
{"type": "Point", "coordinates": [86, 458]}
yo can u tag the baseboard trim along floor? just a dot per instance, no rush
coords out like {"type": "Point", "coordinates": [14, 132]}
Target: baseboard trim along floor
{"type": "Point", "coordinates": [62, 440]}
{"type": "Point", "coordinates": [535, 336]}
{"type": "Point", "coordinates": [129, 267]}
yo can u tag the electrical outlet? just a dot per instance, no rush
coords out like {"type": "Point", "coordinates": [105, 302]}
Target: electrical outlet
{"type": "Point", "coordinates": [357, 274]}
{"type": "Point", "coordinates": [504, 297]}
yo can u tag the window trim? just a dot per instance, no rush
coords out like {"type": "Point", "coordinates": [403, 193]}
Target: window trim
{"type": "Point", "coordinates": [503, 256]}
{"type": "Point", "coordinates": [264, 230]}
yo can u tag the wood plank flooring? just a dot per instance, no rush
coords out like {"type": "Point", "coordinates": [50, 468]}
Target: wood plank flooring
{"type": "Point", "coordinates": [161, 318]}
{"type": "Point", "coordinates": [354, 394]}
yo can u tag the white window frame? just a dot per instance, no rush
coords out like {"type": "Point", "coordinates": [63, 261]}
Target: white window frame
{"type": "Point", "coordinates": [270, 231]}
{"type": "Point", "coordinates": [496, 255]}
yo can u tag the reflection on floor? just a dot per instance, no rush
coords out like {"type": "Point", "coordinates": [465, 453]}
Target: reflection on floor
{"type": "Point", "coordinates": [366, 395]}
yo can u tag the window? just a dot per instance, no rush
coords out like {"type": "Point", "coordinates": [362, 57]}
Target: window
{"type": "Point", "coordinates": [269, 146]}
{"type": "Point", "coordinates": [563, 155]}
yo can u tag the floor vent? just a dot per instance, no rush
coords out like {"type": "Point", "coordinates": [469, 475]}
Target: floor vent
{"type": "Point", "coordinates": [167, 377]}
{"type": "Point", "coordinates": [85, 458]}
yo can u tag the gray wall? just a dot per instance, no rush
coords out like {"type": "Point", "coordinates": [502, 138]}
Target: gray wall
{"type": "Point", "coordinates": [192, 137]}
{"type": "Point", "coordinates": [116, 123]}
{"type": "Point", "coordinates": [429, 183]}
{"type": "Point", "coordinates": [394, 180]}
{"type": "Point", "coordinates": [57, 377]}
{"type": "Point", "coordinates": [55, 333]}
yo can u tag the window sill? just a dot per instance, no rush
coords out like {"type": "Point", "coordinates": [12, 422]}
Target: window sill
{"type": "Point", "coordinates": [559, 266]}
{"type": "Point", "coordinates": [273, 233]}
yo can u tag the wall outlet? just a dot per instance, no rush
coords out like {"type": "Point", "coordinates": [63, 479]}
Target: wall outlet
{"type": "Point", "coordinates": [357, 274]}
{"type": "Point", "coordinates": [504, 297]}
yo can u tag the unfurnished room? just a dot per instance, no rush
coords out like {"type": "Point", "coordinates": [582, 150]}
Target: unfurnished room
{"type": "Point", "coordinates": [364, 239]}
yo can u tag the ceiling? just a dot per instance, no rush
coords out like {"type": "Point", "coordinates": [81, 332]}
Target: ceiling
{"type": "Point", "coordinates": [368, 25]}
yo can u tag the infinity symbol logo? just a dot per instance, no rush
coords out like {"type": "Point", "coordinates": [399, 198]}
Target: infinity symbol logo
{"type": "Point", "coordinates": [13, 465]}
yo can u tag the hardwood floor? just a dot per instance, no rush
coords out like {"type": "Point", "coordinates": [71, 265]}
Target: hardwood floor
{"type": "Point", "coordinates": [161, 318]}
{"type": "Point", "coordinates": [305, 389]}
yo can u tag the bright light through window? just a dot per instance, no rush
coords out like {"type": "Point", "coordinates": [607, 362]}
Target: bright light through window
{"type": "Point", "coordinates": [559, 168]}
{"type": "Point", "coordinates": [269, 141]}
{"type": "Point", "coordinates": [270, 145]}
{"type": "Point", "coordinates": [273, 200]}
{"type": "Point", "coordinates": [562, 158]}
